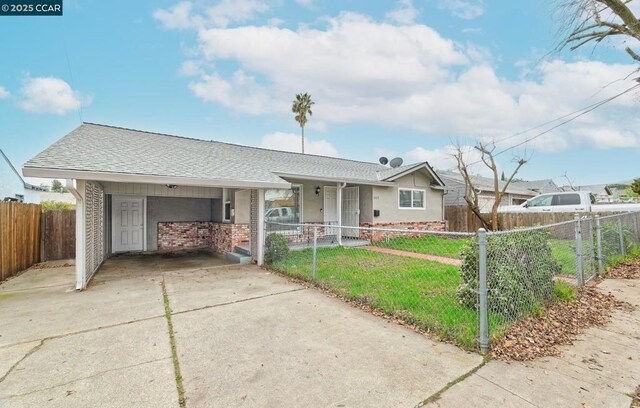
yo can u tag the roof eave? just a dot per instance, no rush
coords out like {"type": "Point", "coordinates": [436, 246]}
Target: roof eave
{"type": "Point", "coordinates": [414, 168]}
{"type": "Point", "coordinates": [145, 178]}
{"type": "Point", "coordinates": [334, 180]}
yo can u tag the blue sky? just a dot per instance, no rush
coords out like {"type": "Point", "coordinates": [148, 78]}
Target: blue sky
{"type": "Point", "coordinates": [403, 78]}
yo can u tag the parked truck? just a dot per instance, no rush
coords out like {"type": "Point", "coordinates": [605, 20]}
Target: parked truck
{"type": "Point", "coordinates": [571, 201]}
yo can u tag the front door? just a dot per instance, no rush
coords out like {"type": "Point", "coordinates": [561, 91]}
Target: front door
{"type": "Point", "coordinates": [128, 224]}
{"type": "Point", "coordinates": [351, 211]}
{"type": "Point", "coordinates": [330, 209]}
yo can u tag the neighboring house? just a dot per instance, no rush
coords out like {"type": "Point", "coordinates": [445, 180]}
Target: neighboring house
{"type": "Point", "coordinates": [142, 191]}
{"type": "Point", "coordinates": [538, 186]}
{"type": "Point", "coordinates": [12, 185]}
{"type": "Point", "coordinates": [455, 188]}
{"type": "Point", "coordinates": [601, 192]}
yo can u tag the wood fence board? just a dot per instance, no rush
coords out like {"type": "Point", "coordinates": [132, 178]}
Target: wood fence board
{"type": "Point", "coordinates": [459, 218]}
{"type": "Point", "coordinates": [29, 236]}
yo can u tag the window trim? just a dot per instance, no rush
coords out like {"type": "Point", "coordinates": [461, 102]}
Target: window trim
{"type": "Point", "coordinates": [424, 199]}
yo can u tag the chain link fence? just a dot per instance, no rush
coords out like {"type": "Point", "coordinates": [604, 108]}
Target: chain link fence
{"type": "Point", "coordinates": [460, 287]}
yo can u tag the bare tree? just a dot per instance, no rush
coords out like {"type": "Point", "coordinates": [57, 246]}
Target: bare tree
{"type": "Point", "coordinates": [472, 193]}
{"type": "Point", "coordinates": [592, 21]}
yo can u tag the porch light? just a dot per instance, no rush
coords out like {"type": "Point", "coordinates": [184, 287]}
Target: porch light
{"type": "Point", "coordinates": [171, 186]}
{"type": "Point", "coordinates": [317, 191]}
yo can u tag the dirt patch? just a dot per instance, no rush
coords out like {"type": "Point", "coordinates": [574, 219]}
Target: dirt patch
{"type": "Point", "coordinates": [558, 325]}
{"type": "Point", "coordinates": [625, 270]}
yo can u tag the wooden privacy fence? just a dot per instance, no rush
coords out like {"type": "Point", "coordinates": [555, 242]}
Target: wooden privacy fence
{"type": "Point", "coordinates": [28, 236]}
{"type": "Point", "coordinates": [58, 238]}
{"type": "Point", "coordinates": [460, 218]}
{"type": "Point", "coordinates": [19, 237]}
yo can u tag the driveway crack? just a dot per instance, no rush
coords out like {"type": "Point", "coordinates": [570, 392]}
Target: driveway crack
{"type": "Point", "coordinates": [182, 402]}
{"type": "Point", "coordinates": [17, 363]}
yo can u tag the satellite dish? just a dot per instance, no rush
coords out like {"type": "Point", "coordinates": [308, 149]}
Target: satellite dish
{"type": "Point", "coordinates": [383, 160]}
{"type": "Point", "coordinates": [397, 162]}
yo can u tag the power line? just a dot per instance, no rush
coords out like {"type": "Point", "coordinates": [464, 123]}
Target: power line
{"type": "Point", "coordinates": [572, 116]}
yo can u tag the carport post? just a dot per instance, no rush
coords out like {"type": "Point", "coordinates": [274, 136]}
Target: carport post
{"type": "Point", "coordinates": [599, 244]}
{"type": "Point", "coordinates": [579, 266]}
{"type": "Point", "coordinates": [78, 192]}
{"type": "Point", "coordinates": [484, 315]}
{"type": "Point", "coordinates": [261, 228]}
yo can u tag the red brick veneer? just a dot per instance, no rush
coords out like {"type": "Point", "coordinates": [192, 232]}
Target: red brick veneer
{"type": "Point", "coordinates": [221, 237]}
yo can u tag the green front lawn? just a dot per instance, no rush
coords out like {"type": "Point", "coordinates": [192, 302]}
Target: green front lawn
{"type": "Point", "coordinates": [421, 292]}
{"type": "Point", "coordinates": [427, 244]}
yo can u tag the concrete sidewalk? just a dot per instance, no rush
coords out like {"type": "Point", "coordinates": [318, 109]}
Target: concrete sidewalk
{"type": "Point", "coordinates": [602, 368]}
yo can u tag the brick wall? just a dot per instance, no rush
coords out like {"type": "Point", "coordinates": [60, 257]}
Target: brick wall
{"type": "Point", "coordinates": [379, 235]}
{"type": "Point", "coordinates": [183, 235]}
{"type": "Point", "coordinates": [224, 237]}
{"type": "Point", "coordinates": [221, 237]}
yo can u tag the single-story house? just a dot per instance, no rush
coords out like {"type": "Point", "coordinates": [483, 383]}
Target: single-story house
{"type": "Point", "coordinates": [539, 186]}
{"type": "Point", "coordinates": [145, 191]}
{"type": "Point", "coordinates": [455, 189]}
{"type": "Point", "coordinates": [12, 185]}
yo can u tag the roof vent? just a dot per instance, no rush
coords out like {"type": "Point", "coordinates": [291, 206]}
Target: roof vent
{"type": "Point", "coordinates": [383, 160]}
{"type": "Point", "coordinates": [397, 162]}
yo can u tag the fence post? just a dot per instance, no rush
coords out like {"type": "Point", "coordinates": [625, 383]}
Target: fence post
{"type": "Point", "coordinates": [482, 263]}
{"type": "Point", "coordinates": [599, 244]}
{"type": "Point", "coordinates": [623, 250]}
{"type": "Point", "coordinates": [579, 266]}
{"type": "Point", "coordinates": [635, 228]}
{"type": "Point", "coordinates": [315, 251]}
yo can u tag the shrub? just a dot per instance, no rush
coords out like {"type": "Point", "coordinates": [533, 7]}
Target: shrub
{"type": "Point", "coordinates": [56, 205]}
{"type": "Point", "coordinates": [276, 248]}
{"type": "Point", "coordinates": [520, 271]}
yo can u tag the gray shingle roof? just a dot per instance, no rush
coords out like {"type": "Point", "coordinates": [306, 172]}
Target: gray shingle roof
{"type": "Point", "coordinates": [100, 148]}
{"type": "Point", "coordinates": [483, 183]}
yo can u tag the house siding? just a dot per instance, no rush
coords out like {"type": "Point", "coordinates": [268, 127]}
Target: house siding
{"type": "Point", "coordinates": [160, 190]}
{"type": "Point", "coordinates": [385, 199]}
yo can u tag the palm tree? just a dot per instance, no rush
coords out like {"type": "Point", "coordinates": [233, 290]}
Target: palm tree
{"type": "Point", "coordinates": [301, 107]}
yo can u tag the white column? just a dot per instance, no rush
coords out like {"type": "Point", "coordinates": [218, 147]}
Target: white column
{"type": "Point", "coordinates": [339, 210]}
{"type": "Point", "coordinates": [260, 234]}
{"type": "Point", "coordinates": [81, 235]}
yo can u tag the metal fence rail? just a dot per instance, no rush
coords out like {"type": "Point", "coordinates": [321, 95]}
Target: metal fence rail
{"type": "Point", "coordinates": [462, 287]}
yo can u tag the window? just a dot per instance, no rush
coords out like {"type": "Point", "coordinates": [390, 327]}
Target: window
{"type": "Point", "coordinates": [408, 198]}
{"type": "Point", "coordinates": [226, 197]}
{"type": "Point", "coordinates": [566, 199]}
{"type": "Point", "coordinates": [543, 201]}
{"type": "Point", "coordinates": [283, 207]}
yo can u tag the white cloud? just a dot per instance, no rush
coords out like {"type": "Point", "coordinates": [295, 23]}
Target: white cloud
{"type": "Point", "coordinates": [290, 142]}
{"type": "Point", "coordinates": [408, 76]}
{"type": "Point", "coordinates": [404, 13]}
{"type": "Point", "coordinates": [50, 95]}
{"type": "Point", "coordinates": [467, 10]}
{"type": "Point", "coordinates": [188, 15]}
{"type": "Point", "coordinates": [4, 93]}
{"type": "Point", "coordinates": [177, 17]}
{"type": "Point", "coordinates": [443, 159]}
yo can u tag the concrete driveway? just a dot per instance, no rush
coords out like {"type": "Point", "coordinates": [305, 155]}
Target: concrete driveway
{"type": "Point", "coordinates": [242, 337]}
